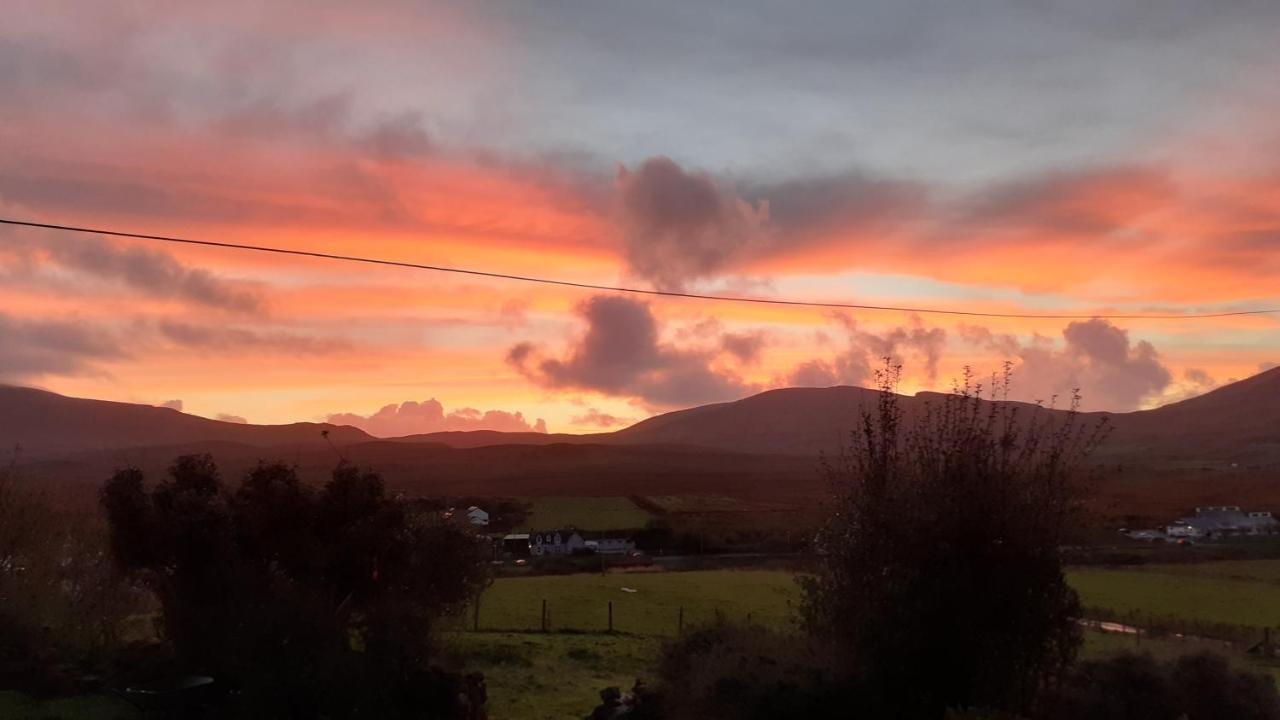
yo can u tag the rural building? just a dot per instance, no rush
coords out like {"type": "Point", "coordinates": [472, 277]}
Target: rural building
{"type": "Point", "coordinates": [517, 545]}
{"type": "Point", "coordinates": [1219, 520]}
{"type": "Point", "coordinates": [611, 546]}
{"type": "Point", "coordinates": [477, 517]}
{"type": "Point", "coordinates": [557, 542]}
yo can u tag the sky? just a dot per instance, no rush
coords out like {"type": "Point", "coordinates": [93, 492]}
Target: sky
{"type": "Point", "coordinates": [1088, 157]}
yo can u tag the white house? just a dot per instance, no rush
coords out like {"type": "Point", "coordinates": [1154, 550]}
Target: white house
{"type": "Point", "coordinates": [556, 542]}
{"type": "Point", "coordinates": [1220, 520]}
{"type": "Point", "coordinates": [611, 546]}
{"type": "Point", "coordinates": [477, 517]}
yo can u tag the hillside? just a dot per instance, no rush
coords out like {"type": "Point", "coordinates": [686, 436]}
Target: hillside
{"type": "Point", "coordinates": [1222, 447]}
{"type": "Point", "coordinates": [46, 424]}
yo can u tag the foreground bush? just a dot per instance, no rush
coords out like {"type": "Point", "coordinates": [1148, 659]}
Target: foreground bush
{"type": "Point", "coordinates": [305, 603]}
{"type": "Point", "coordinates": [61, 601]}
{"type": "Point", "coordinates": [938, 580]}
{"type": "Point", "coordinates": [1136, 687]}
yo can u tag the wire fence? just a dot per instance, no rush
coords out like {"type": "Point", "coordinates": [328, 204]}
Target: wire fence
{"type": "Point", "coordinates": [604, 617]}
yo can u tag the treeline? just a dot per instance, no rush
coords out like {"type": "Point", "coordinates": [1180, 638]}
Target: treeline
{"type": "Point", "coordinates": [271, 599]}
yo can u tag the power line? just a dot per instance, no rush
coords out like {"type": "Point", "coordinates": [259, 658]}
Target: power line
{"type": "Point", "coordinates": [621, 289]}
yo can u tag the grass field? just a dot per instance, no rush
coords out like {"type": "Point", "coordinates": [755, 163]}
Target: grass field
{"type": "Point", "coordinates": [16, 706]}
{"type": "Point", "coordinates": [581, 602]}
{"type": "Point", "coordinates": [585, 513]}
{"type": "Point", "coordinates": [535, 676]}
{"type": "Point", "coordinates": [1234, 592]}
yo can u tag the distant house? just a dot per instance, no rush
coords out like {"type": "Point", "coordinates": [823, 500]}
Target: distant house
{"type": "Point", "coordinates": [477, 517]}
{"type": "Point", "coordinates": [611, 546]}
{"type": "Point", "coordinates": [1220, 520]}
{"type": "Point", "coordinates": [556, 542]}
{"type": "Point", "coordinates": [517, 545]}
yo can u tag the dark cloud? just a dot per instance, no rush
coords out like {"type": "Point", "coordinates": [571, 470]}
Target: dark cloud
{"type": "Point", "coordinates": [679, 227]}
{"type": "Point", "coordinates": [820, 373]}
{"type": "Point", "coordinates": [1097, 358]}
{"type": "Point", "coordinates": [232, 339]}
{"type": "Point", "coordinates": [172, 405]}
{"type": "Point", "coordinates": [850, 201]}
{"type": "Point", "coordinates": [224, 417]}
{"type": "Point", "coordinates": [595, 418]}
{"type": "Point", "coordinates": [151, 272]}
{"type": "Point", "coordinates": [33, 348]}
{"type": "Point", "coordinates": [622, 354]}
{"type": "Point", "coordinates": [866, 350]}
{"type": "Point", "coordinates": [412, 418]}
{"type": "Point", "coordinates": [746, 347]}
{"type": "Point", "coordinates": [1089, 202]}
{"type": "Point", "coordinates": [1195, 381]}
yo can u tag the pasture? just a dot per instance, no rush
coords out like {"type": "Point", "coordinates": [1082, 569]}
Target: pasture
{"type": "Point", "coordinates": [557, 674]}
{"type": "Point", "coordinates": [592, 514]}
{"type": "Point", "coordinates": [1233, 592]}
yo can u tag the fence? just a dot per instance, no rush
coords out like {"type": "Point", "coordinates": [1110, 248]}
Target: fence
{"type": "Point", "coordinates": [601, 617]}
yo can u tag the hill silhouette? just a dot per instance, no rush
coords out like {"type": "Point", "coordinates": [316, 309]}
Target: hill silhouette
{"type": "Point", "coordinates": [1221, 447]}
{"type": "Point", "coordinates": [47, 424]}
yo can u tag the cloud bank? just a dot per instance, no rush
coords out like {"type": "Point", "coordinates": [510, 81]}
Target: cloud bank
{"type": "Point", "coordinates": [1097, 358]}
{"type": "Point", "coordinates": [621, 353]}
{"type": "Point", "coordinates": [412, 418]}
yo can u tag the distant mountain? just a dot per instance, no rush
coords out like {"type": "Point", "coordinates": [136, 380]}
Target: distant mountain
{"type": "Point", "coordinates": [1239, 422]}
{"type": "Point", "coordinates": [46, 424]}
{"type": "Point", "coordinates": [482, 438]}
{"type": "Point", "coordinates": [1219, 448]}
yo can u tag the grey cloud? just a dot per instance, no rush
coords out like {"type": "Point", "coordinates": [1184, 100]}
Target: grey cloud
{"type": "Point", "coordinates": [231, 339]}
{"type": "Point", "coordinates": [850, 200]}
{"type": "Point", "coordinates": [745, 346]}
{"type": "Point", "coordinates": [819, 373]}
{"type": "Point", "coordinates": [865, 350]}
{"type": "Point", "coordinates": [151, 272]}
{"type": "Point", "coordinates": [412, 418]}
{"type": "Point", "coordinates": [596, 418]}
{"type": "Point", "coordinates": [1098, 359]}
{"type": "Point", "coordinates": [622, 354]}
{"type": "Point", "coordinates": [34, 348]}
{"type": "Point", "coordinates": [679, 227]}
{"type": "Point", "coordinates": [172, 405]}
{"type": "Point", "coordinates": [224, 417]}
{"type": "Point", "coordinates": [1067, 201]}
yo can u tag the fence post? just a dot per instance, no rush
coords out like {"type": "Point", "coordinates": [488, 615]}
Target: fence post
{"type": "Point", "coordinates": [543, 621]}
{"type": "Point", "coordinates": [748, 618]}
{"type": "Point", "coordinates": [680, 622]}
{"type": "Point", "coordinates": [610, 616]}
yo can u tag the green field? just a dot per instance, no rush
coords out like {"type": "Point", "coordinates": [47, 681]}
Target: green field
{"type": "Point", "coordinates": [581, 602]}
{"type": "Point", "coordinates": [17, 706]}
{"type": "Point", "coordinates": [585, 513]}
{"type": "Point", "coordinates": [533, 675]}
{"type": "Point", "coordinates": [1233, 592]}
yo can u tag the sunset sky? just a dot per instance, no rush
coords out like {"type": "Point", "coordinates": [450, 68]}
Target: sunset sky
{"type": "Point", "coordinates": [1077, 157]}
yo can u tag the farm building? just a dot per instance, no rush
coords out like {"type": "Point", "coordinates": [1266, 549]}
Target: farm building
{"type": "Point", "coordinates": [557, 542]}
{"type": "Point", "coordinates": [477, 517]}
{"type": "Point", "coordinates": [1220, 520]}
{"type": "Point", "coordinates": [516, 545]}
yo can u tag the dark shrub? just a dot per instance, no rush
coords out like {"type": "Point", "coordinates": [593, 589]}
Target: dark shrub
{"type": "Point", "coordinates": [310, 604]}
{"type": "Point", "coordinates": [1136, 687]}
{"type": "Point", "coordinates": [938, 580]}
